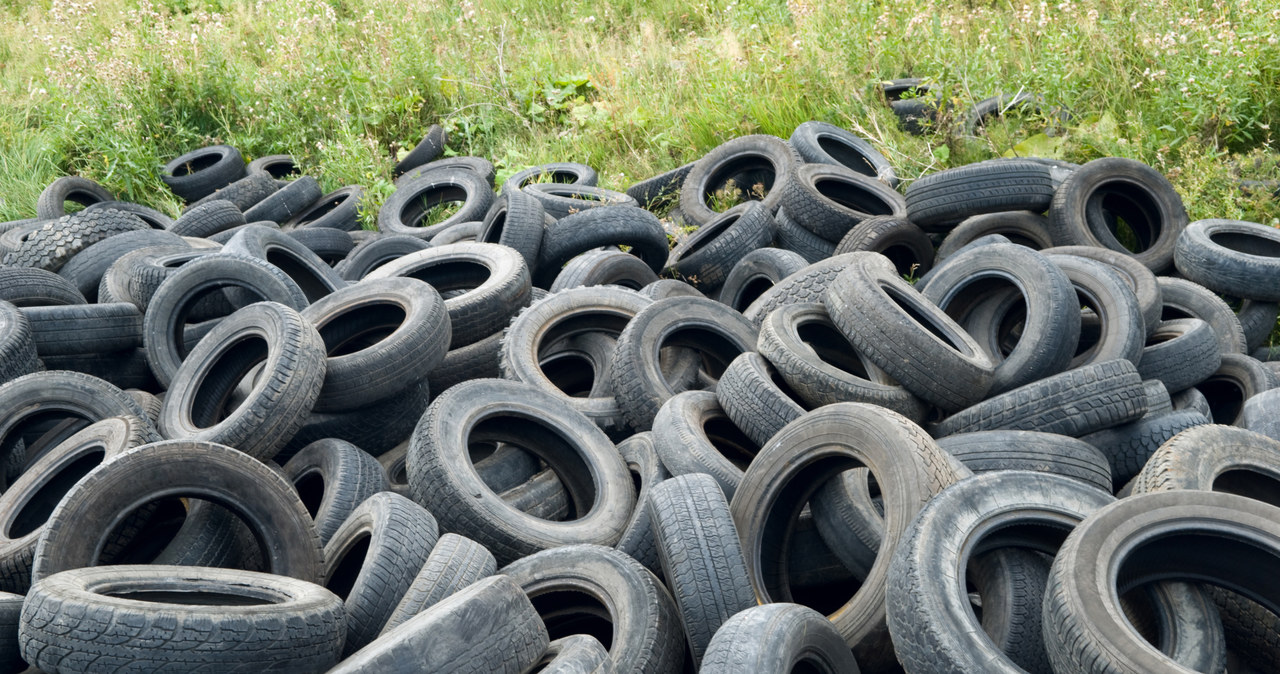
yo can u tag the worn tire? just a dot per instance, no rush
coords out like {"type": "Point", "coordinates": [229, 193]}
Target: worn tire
{"type": "Point", "coordinates": [987, 451]}
{"type": "Point", "coordinates": [199, 173]}
{"type": "Point", "coordinates": [333, 477]}
{"type": "Point", "coordinates": [940, 200]}
{"type": "Point", "coordinates": [756, 272]}
{"type": "Point", "coordinates": [777, 639]}
{"type": "Point", "coordinates": [767, 160]}
{"type": "Point", "coordinates": [1180, 353]}
{"type": "Point", "coordinates": [455, 563]}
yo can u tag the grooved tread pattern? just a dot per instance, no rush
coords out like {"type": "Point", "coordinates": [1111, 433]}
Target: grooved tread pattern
{"type": "Point", "coordinates": [55, 242]}
{"type": "Point", "coordinates": [750, 398]}
{"type": "Point", "coordinates": [456, 562]}
{"type": "Point", "coordinates": [984, 187]}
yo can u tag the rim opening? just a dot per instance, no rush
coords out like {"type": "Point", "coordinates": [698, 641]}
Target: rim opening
{"type": "Point", "coordinates": [210, 404]}
{"type": "Point", "coordinates": [731, 442]}
{"type": "Point", "coordinates": [907, 306]}
{"type": "Point", "coordinates": [360, 328]}
{"type": "Point", "coordinates": [307, 279]}
{"type": "Point", "coordinates": [344, 577]}
{"type": "Point", "coordinates": [418, 209]}
{"type": "Point", "coordinates": [1249, 483]}
{"type": "Point", "coordinates": [545, 442]}
{"type": "Point", "coordinates": [751, 291]}
{"type": "Point", "coordinates": [832, 347]}
{"type": "Point", "coordinates": [450, 275]}
{"type": "Point", "coordinates": [848, 155]}
{"type": "Point", "coordinates": [310, 488]}
{"type": "Point", "coordinates": [37, 509]}
{"type": "Point", "coordinates": [568, 612]}
{"type": "Point", "coordinates": [1226, 398]}
{"type": "Point", "coordinates": [197, 163]}
{"type": "Point", "coordinates": [1248, 244]}
{"type": "Point", "coordinates": [853, 196]}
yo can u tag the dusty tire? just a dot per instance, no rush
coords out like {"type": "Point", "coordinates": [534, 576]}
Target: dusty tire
{"type": "Point", "coordinates": [987, 451]}
{"type": "Point", "coordinates": [199, 173]}
{"type": "Point", "coordinates": [333, 477]}
{"type": "Point", "coordinates": [406, 209]}
{"type": "Point", "coordinates": [455, 563]}
{"type": "Point", "coordinates": [776, 639]}
{"type": "Point", "coordinates": [1233, 257]}
{"type": "Point", "coordinates": [830, 200]}
{"type": "Point", "coordinates": [1180, 353]}
{"type": "Point", "coordinates": [896, 238]}
{"type": "Point", "coordinates": [755, 273]}
{"type": "Point", "coordinates": [822, 143]}
{"type": "Point", "coordinates": [748, 160]}
{"type": "Point", "coordinates": [939, 200]}
{"type": "Point", "coordinates": [707, 256]}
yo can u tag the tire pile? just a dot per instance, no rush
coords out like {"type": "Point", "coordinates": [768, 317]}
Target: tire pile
{"type": "Point", "coordinates": [838, 428]}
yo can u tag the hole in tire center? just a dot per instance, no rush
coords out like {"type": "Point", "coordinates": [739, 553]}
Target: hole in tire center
{"type": "Point", "coordinates": [731, 442]}
{"type": "Point", "coordinates": [430, 204]}
{"type": "Point", "coordinates": [37, 509]}
{"type": "Point", "coordinates": [1134, 218]}
{"type": "Point", "coordinates": [360, 328]}
{"type": "Point", "coordinates": [190, 597]}
{"type": "Point", "coordinates": [552, 176]}
{"type": "Point", "coordinates": [847, 155]}
{"type": "Point", "coordinates": [493, 234]}
{"type": "Point", "coordinates": [921, 319]}
{"type": "Point", "coordinates": [198, 163]}
{"type": "Point", "coordinates": [321, 210]}
{"type": "Point", "coordinates": [307, 279]}
{"type": "Point", "coordinates": [1252, 484]}
{"type": "Point", "coordinates": [144, 532]}
{"type": "Point", "coordinates": [751, 291]}
{"type": "Point", "coordinates": [1247, 244]}
{"type": "Point", "coordinates": [310, 488]}
{"type": "Point", "coordinates": [40, 432]}
{"type": "Point", "coordinates": [344, 576]}
{"type": "Point", "coordinates": [210, 404]}
{"type": "Point", "coordinates": [451, 275]}
{"type": "Point", "coordinates": [572, 373]}
{"type": "Point", "coordinates": [555, 451]}
{"type": "Point", "coordinates": [904, 259]}
{"type": "Point", "coordinates": [708, 233]}
{"type": "Point", "coordinates": [832, 347]}
{"type": "Point", "coordinates": [1226, 399]}
{"type": "Point", "coordinates": [745, 173]}
{"type": "Point", "coordinates": [713, 348]}
{"type": "Point", "coordinates": [570, 612]}
{"type": "Point", "coordinates": [853, 196]}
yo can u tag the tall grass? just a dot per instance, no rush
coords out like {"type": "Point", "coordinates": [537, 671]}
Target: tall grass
{"type": "Point", "coordinates": [111, 89]}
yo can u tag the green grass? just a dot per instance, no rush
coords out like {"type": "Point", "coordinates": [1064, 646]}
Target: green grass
{"type": "Point", "coordinates": [111, 89]}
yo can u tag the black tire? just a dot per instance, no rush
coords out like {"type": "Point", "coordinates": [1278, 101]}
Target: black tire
{"type": "Point", "coordinates": [1119, 326]}
{"type": "Point", "coordinates": [560, 201]}
{"type": "Point", "coordinates": [581, 455]}
{"type": "Point", "coordinates": [604, 267]}
{"type": "Point", "coordinates": [488, 627]}
{"type": "Point", "coordinates": [243, 193]}
{"type": "Point", "coordinates": [555, 172]}
{"type": "Point", "coordinates": [87, 267]}
{"type": "Point", "coordinates": [1233, 257]}
{"type": "Point", "coordinates": [897, 238]}
{"type": "Point", "coordinates": [940, 200]}
{"type": "Point", "coordinates": [1191, 399]}
{"type": "Point", "coordinates": [462, 232]}
{"type": "Point", "coordinates": [1021, 227]}
{"type": "Point", "coordinates": [692, 434]}
{"type": "Point", "coordinates": [333, 477]}
{"type": "Point", "coordinates": [822, 143]}
{"type": "Point", "coordinates": [221, 238]}
{"type": "Point", "coordinates": [756, 398]}
{"type": "Point", "coordinates": [312, 274]}
{"type": "Point", "coordinates": [1140, 279]}
{"type": "Point", "coordinates": [27, 287]}
{"type": "Point", "coordinates": [597, 227]}
{"type": "Point", "coordinates": [776, 639]}
{"type": "Point", "coordinates": [330, 245]}
{"type": "Point", "coordinates": [207, 219]}
{"type": "Point", "coordinates": [106, 618]}
{"type": "Point", "coordinates": [295, 198]}
{"type": "Point", "coordinates": [669, 287]}
{"type": "Point", "coordinates": [1074, 403]}
{"type": "Point", "coordinates": [715, 331]}
{"type": "Point", "coordinates": [55, 242]}
{"type": "Point", "coordinates": [126, 369]}
{"type": "Point", "coordinates": [791, 236]}
{"type": "Point", "coordinates": [406, 209]}
{"type": "Point", "coordinates": [1083, 630]}
{"type": "Point", "coordinates": [480, 360]}
{"type": "Point", "coordinates": [574, 654]}
{"type": "Point", "coordinates": [518, 220]}
{"type": "Point", "coordinates": [1237, 379]}
{"type": "Point", "coordinates": [291, 355]}
{"type": "Point", "coordinates": [1258, 320]}
{"type": "Point", "coordinates": [1180, 353]}
{"type": "Point", "coordinates": [830, 200]}
{"type": "Point", "coordinates": [479, 165]}
{"type": "Point", "coordinates": [707, 256]}
{"type": "Point", "coordinates": [372, 560]}
{"type": "Point", "coordinates": [929, 613]}
{"type": "Point", "coordinates": [987, 451]}
{"type": "Point", "coordinates": [701, 555]}
{"type": "Point", "coordinates": [378, 428]}
{"type": "Point", "coordinates": [660, 190]}
{"type": "Point", "coordinates": [28, 502]}
{"type": "Point", "coordinates": [621, 599]}
{"type": "Point", "coordinates": [1183, 299]}
{"type": "Point", "coordinates": [1095, 197]}
{"type": "Point", "coordinates": [822, 367]}
{"type": "Point", "coordinates": [967, 283]}
{"type": "Point", "coordinates": [747, 161]}
{"type": "Point", "coordinates": [879, 314]}
{"type": "Point", "coordinates": [52, 203]}
{"type": "Point", "coordinates": [278, 166]}
{"type": "Point", "coordinates": [1260, 414]}
{"type": "Point", "coordinates": [17, 347]}
{"type": "Point", "coordinates": [84, 328]}
{"type": "Point", "coordinates": [339, 209]}
{"type": "Point", "coordinates": [199, 173]}
{"type": "Point", "coordinates": [167, 312]}
{"type": "Point", "coordinates": [427, 149]}
{"type": "Point", "coordinates": [135, 277]}
{"type": "Point", "coordinates": [978, 116]}
{"type": "Point", "coordinates": [806, 286]}
{"type": "Point", "coordinates": [258, 495]}
{"type": "Point", "coordinates": [907, 465]}
{"type": "Point", "coordinates": [647, 471]}
{"type": "Point", "coordinates": [1129, 446]}
{"type": "Point", "coordinates": [756, 272]}
{"type": "Point", "coordinates": [375, 252]}
{"type": "Point", "coordinates": [154, 219]}
{"type": "Point", "coordinates": [455, 563]}
{"type": "Point", "coordinates": [383, 336]}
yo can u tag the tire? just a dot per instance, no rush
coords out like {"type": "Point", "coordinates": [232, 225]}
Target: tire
{"type": "Point", "coordinates": [909, 468]}
{"type": "Point", "coordinates": [977, 117]}
{"type": "Point", "coordinates": [55, 242]}
{"type": "Point", "coordinates": [17, 347]}
{"type": "Point", "coordinates": [330, 245]}
{"type": "Point", "coordinates": [669, 287]}
{"type": "Point", "coordinates": [1181, 353]}
{"type": "Point", "coordinates": [1184, 299]}
{"type": "Point", "coordinates": [567, 173]}
{"type": "Point", "coordinates": [806, 286]}
{"type": "Point", "coordinates": [756, 272]}
{"type": "Point", "coordinates": [339, 209]}
{"type": "Point", "coordinates": [717, 332]}
{"type": "Point", "coordinates": [1260, 414]}
{"type": "Point", "coordinates": [575, 654]}
{"type": "Point", "coordinates": [933, 626]}
{"type": "Point", "coordinates": [756, 398]}
{"type": "Point", "coordinates": [1074, 403]}
{"type": "Point", "coordinates": [775, 639]}
{"type": "Point", "coordinates": [821, 367]}
{"type": "Point", "coordinates": [597, 227]}
{"type": "Point", "coordinates": [278, 166]}
{"type": "Point", "coordinates": [372, 560]}
{"type": "Point", "coordinates": [463, 232]}
{"type": "Point", "coordinates": [27, 287]}
{"type": "Point", "coordinates": [791, 236]}
{"type": "Point", "coordinates": [493, 278]}
{"type": "Point", "coordinates": [822, 143]}
{"type": "Point", "coordinates": [940, 200]}
{"type": "Point", "coordinates": [52, 203]}
{"type": "Point", "coordinates": [581, 455]}
{"type": "Point", "coordinates": [1191, 399]}
{"type": "Point", "coordinates": [479, 165]}
{"type": "Point", "coordinates": [604, 267]}
{"type": "Point", "coordinates": [1232, 257]}
{"type": "Point", "coordinates": [1258, 320]}
{"type": "Point", "coordinates": [243, 193]}
{"type": "Point", "coordinates": [293, 199]}
{"type": "Point", "coordinates": [333, 477]}
{"type": "Point", "coordinates": [897, 238]}
{"type": "Point", "coordinates": [258, 495]}
{"type": "Point", "coordinates": [707, 256]}
{"type": "Point", "coordinates": [87, 268]}
{"type": "Point", "coordinates": [766, 160]}
{"type": "Point", "coordinates": [168, 309]}
{"type": "Point", "coordinates": [29, 501]}
{"type": "Point", "coordinates": [543, 496]}
{"type": "Point", "coordinates": [1050, 327]}
{"type": "Point", "coordinates": [868, 302]}
{"type": "Point", "coordinates": [701, 556]}
{"type": "Point", "coordinates": [378, 428]}
{"type": "Point", "coordinates": [199, 173]}
{"type": "Point", "coordinates": [1079, 635]}
{"type": "Point", "coordinates": [207, 219]}
{"type": "Point", "coordinates": [154, 219]}
{"type": "Point", "coordinates": [518, 220]}
{"type": "Point", "coordinates": [455, 563]}
{"type": "Point", "coordinates": [90, 620]}
{"type": "Point", "coordinates": [1088, 204]}
{"type": "Point", "coordinates": [135, 277]}
{"type": "Point", "coordinates": [473, 361]}
{"type": "Point", "coordinates": [292, 357]}
{"type": "Point", "coordinates": [316, 278]}
{"type": "Point", "coordinates": [1236, 380]}
{"type": "Point", "coordinates": [560, 201]}
{"type": "Point", "coordinates": [406, 209]}
{"type": "Point", "coordinates": [637, 610]}
{"type": "Point", "coordinates": [84, 328]}
{"type": "Point", "coordinates": [660, 190]}
{"type": "Point", "coordinates": [1020, 227]}
{"type": "Point", "coordinates": [373, 253]}
{"type": "Point", "coordinates": [1128, 447]}
{"type": "Point", "coordinates": [427, 149]}
{"type": "Point", "coordinates": [647, 471]}
{"type": "Point", "coordinates": [988, 451]}
{"type": "Point", "coordinates": [382, 336]}
{"type": "Point", "coordinates": [221, 238]}
{"type": "Point", "coordinates": [488, 627]}
{"type": "Point", "coordinates": [1120, 330]}
{"type": "Point", "coordinates": [692, 434]}
{"type": "Point", "coordinates": [830, 200]}
{"type": "Point", "coordinates": [126, 369]}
